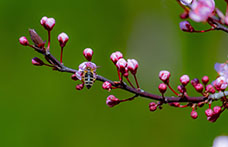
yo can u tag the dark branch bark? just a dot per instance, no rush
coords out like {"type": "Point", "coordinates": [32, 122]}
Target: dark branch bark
{"type": "Point", "coordinates": [60, 67]}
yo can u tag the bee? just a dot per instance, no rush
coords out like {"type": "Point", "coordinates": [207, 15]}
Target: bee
{"type": "Point", "coordinates": [89, 77]}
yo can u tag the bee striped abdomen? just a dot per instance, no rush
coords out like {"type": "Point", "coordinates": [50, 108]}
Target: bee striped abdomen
{"type": "Point", "coordinates": [89, 79]}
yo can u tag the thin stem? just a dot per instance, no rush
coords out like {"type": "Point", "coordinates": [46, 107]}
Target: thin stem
{"type": "Point", "coordinates": [172, 90]}
{"type": "Point", "coordinates": [203, 31]}
{"type": "Point", "coordinates": [130, 82]}
{"type": "Point", "coordinates": [119, 74]}
{"type": "Point", "coordinates": [49, 40]}
{"type": "Point", "coordinates": [129, 99]}
{"type": "Point", "coordinates": [61, 55]}
{"type": "Point", "coordinates": [136, 80]}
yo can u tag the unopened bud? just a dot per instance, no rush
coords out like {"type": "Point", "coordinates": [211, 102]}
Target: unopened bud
{"type": "Point", "coordinates": [23, 41]}
{"type": "Point", "coordinates": [63, 38]}
{"type": "Point", "coordinates": [210, 89]}
{"type": "Point", "coordinates": [164, 76]}
{"type": "Point", "coordinates": [43, 20]}
{"type": "Point", "coordinates": [121, 64]}
{"type": "Point", "coordinates": [153, 106]}
{"type": "Point", "coordinates": [79, 86]}
{"type": "Point", "coordinates": [199, 88]}
{"type": "Point", "coordinates": [49, 23]}
{"type": "Point", "coordinates": [132, 65]}
{"type": "Point", "coordinates": [194, 82]}
{"type": "Point", "coordinates": [217, 109]}
{"type": "Point", "coordinates": [116, 56]}
{"type": "Point", "coordinates": [208, 112]}
{"type": "Point", "coordinates": [194, 114]}
{"type": "Point", "coordinates": [88, 53]}
{"type": "Point", "coordinates": [184, 80]}
{"type": "Point", "coordinates": [74, 77]}
{"type": "Point", "coordinates": [112, 101]}
{"type": "Point", "coordinates": [205, 80]}
{"type": "Point", "coordinates": [106, 85]}
{"type": "Point", "coordinates": [162, 88]}
{"type": "Point", "coordinates": [186, 26]}
{"type": "Point", "coordinates": [38, 62]}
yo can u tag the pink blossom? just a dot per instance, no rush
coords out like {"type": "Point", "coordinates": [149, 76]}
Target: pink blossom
{"type": "Point", "coordinates": [43, 20]}
{"type": "Point", "coordinates": [220, 83]}
{"type": "Point", "coordinates": [162, 88]}
{"type": "Point", "coordinates": [48, 23]}
{"type": "Point", "coordinates": [112, 101]}
{"type": "Point", "coordinates": [83, 66]}
{"type": "Point", "coordinates": [23, 41]}
{"type": "Point", "coordinates": [121, 64]}
{"type": "Point", "coordinates": [106, 85]}
{"type": "Point", "coordinates": [164, 76]}
{"type": "Point", "coordinates": [186, 26]}
{"type": "Point", "coordinates": [132, 65]}
{"type": "Point", "coordinates": [201, 10]}
{"type": "Point", "coordinates": [63, 38]}
{"type": "Point", "coordinates": [194, 114]}
{"type": "Point", "coordinates": [184, 79]}
{"type": "Point", "coordinates": [116, 56]}
{"type": "Point", "coordinates": [88, 53]}
{"type": "Point", "coordinates": [222, 69]}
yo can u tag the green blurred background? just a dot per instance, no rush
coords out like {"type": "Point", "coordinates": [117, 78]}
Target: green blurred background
{"type": "Point", "coordinates": [41, 108]}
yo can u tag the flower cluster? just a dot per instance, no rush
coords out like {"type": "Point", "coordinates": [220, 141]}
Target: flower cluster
{"type": "Point", "coordinates": [86, 72]}
{"type": "Point", "coordinates": [202, 11]}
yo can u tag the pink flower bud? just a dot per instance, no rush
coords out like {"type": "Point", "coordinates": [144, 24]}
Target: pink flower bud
{"type": "Point", "coordinates": [79, 86]}
{"type": "Point", "coordinates": [88, 53]}
{"type": "Point", "coordinates": [201, 10]}
{"type": "Point", "coordinates": [49, 23]}
{"type": "Point", "coordinates": [194, 82]}
{"type": "Point", "coordinates": [217, 109]}
{"type": "Point", "coordinates": [186, 26]}
{"type": "Point", "coordinates": [220, 83]}
{"type": "Point", "coordinates": [205, 80]}
{"type": "Point", "coordinates": [23, 41]}
{"type": "Point", "coordinates": [132, 65]}
{"type": "Point", "coordinates": [121, 64]}
{"type": "Point", "coordinates": [74, 77]}
{"type": "Point", "coordinates": [208, 112]}
{"type": "Point", "coordinates": [210, 89]}
{"type": "Point", "coordinates": [38, 62]}
{"type": "Point", "coordinates": [106, 85]}
{"type": "Point", "coordinates": [116, 56]}
{"type": "Point", "coordinates": [43, 20]}
{"type": "Point", "coordinates": [63, 38]}
{"type": "Point", "coordinates": [164, 76]}
{"type": "Point", "coordinates": [181, 88]}
{"type": "Point", "coordinates": [199, 87]}
{"type": "Point", "coordinates": [112, 101]}
{"type": "Point", "coordinates": [162, 88]}
{"type": "Point", "coordinates": [194, 114]}
{"type": "Point", "coordinates": [153, 106]}
{"type": "Point", "coordinates": [184, 80]}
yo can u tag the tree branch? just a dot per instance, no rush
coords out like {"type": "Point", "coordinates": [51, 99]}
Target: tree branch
{"type": "Point", "coordinates": [60, 67]}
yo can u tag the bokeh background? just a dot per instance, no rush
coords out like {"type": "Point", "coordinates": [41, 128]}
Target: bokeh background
{"type": "Point", "coordinates": [41, 108]}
